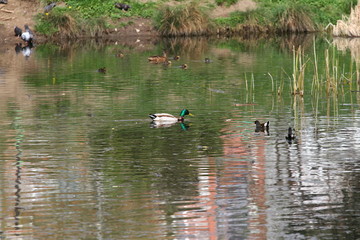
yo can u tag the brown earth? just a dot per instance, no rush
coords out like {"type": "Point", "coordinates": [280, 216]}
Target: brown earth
{"type": "Point", "coordinates": [20, 12]}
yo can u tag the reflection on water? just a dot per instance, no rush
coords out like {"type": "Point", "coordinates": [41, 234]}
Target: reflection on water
{"type": "Point", "coordinates": [80, 159]}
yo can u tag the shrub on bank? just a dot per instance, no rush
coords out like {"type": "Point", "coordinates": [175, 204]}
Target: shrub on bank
{"type": "Point", "coordinates": [183, 20]}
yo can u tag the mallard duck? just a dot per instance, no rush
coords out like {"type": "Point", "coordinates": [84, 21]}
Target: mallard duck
{"type": "Point", "coordinates": [261, 127]}
{"type": "Point", "coordinates": [158, 59]}
{"type": "Point", "coordinates": [102, 70]}
{"type": "Point", "coordinates": [290, 136]}
{"type": "Point", "coordinates": [17, 31]}
{"type": "Point", "coordinates": [28, 35]}
{"type": "Point", "coordinates": [166, 117]}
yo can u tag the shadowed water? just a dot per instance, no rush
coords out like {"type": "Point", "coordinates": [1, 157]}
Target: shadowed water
{"type": "Point", "coordinates": [80, 159]}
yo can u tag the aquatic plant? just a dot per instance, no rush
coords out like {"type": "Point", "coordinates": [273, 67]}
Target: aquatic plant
{"type": "Point", "coordinates": [298, 75]}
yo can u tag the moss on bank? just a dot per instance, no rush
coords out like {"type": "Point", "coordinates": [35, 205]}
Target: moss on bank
{"type": "Point", "coordinates": [184, 18]}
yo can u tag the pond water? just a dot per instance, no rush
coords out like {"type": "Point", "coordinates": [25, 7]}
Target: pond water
{"type": "Point", "coordinates": [80, 159]}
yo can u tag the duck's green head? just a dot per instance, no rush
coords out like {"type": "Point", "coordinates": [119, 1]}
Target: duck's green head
{"type": "Point", "coordinates": [185, 112]}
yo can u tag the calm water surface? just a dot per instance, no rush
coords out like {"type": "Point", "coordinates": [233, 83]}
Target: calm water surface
{"type": "Point", "coordinates": [79, 158]}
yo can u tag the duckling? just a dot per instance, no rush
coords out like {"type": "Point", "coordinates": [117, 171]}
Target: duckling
{"type": "Point", "coordinates": [290, 136]}
{"type": "Point", "coordinates": [120, 55]}
{"type": "Point", "coordinates": [184, 66]}
{"type": "Point", "coordinates": [167, 63]}
{"type": "Point", "coordinates": [158, 59]}
{"type": "Point", "coordinates": [168, 118]}
{"type": "Point", "coordinates": [261, 127]}
{"type": "Point", "coordinates": [176, 58]}
{"type": "Point", "coordinates": [102, 70]}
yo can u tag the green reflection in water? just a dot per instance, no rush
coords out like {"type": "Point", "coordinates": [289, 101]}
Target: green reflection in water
{"type": "Point", "coordinates": [84, 123]}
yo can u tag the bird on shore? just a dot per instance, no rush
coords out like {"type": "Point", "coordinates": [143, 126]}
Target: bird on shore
{"type": "Point", "coordinates": [169, 118]}
{"type": "Point", "coordinates": [290, 136]}
{"type": "Point", "coordinates": [261, 127]}
{"type": "Point", "coordinates": [17, 31]}
{"type": "Point", "coordinates": [49, 7]}
{"type": "Point", "coordinates": [122, 6]}
{"type": "Point", "coordinates": [27, 35]}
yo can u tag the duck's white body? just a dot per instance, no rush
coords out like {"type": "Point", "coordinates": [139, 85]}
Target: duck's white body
{"type": "Point", "coordinates": [164, 118]}
{"type": "Point", "coordinates": [26, 36]}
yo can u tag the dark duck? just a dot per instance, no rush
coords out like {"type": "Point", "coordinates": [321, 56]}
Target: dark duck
{"type": "Point", "coordinates": [262, 127]}
{"type": "Point", "coordinates": [102, 70]}
{"type": "Point", "coordinates": [290, 137]}
{"type": "Point", "coordinates": [122, 6]}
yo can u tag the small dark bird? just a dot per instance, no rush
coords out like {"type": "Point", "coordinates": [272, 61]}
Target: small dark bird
{"type": "Point", "coordinates": [17, 31]}
{"type": "Point", "coordinates": [28, 35]}
{"type": "Point", "coordinates": [3, 1]}
{"type": "Point", "coordinates": [122, 6]}
{"type": "Point", "coordinates": [291, 136]}
{"type": "Point", "coordinates": [102, 70]}
{"type": "Point", "coordinates": [49, 7]}
{"type": "Point", "coordinates": [207, 60]}
{"type": "Point", "coordinates": [261, 127]}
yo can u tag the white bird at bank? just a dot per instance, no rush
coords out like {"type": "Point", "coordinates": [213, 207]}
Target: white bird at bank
{"type": "Point", "coordinates": [27, 35]}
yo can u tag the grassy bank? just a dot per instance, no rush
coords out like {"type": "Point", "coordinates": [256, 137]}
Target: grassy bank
{"type": "Point", "coordinates": [186, 18]}
{"type": "Point", "coordinates": [288, 16]}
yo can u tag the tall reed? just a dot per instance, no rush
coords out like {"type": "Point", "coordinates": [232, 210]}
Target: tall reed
{"type": "Point", "coordinates": [299, 66]}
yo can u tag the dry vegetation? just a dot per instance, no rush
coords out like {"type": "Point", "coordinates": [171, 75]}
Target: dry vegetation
{"type": "Point", "coordinates": [349, 26]}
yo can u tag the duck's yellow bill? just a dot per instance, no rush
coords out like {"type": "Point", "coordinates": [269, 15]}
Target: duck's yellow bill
{"type": "Point", "coordinates": [190, 114]}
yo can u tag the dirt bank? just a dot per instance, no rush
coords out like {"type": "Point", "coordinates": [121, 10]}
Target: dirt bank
{"type": "Point", "coordinates": [20, 12]}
